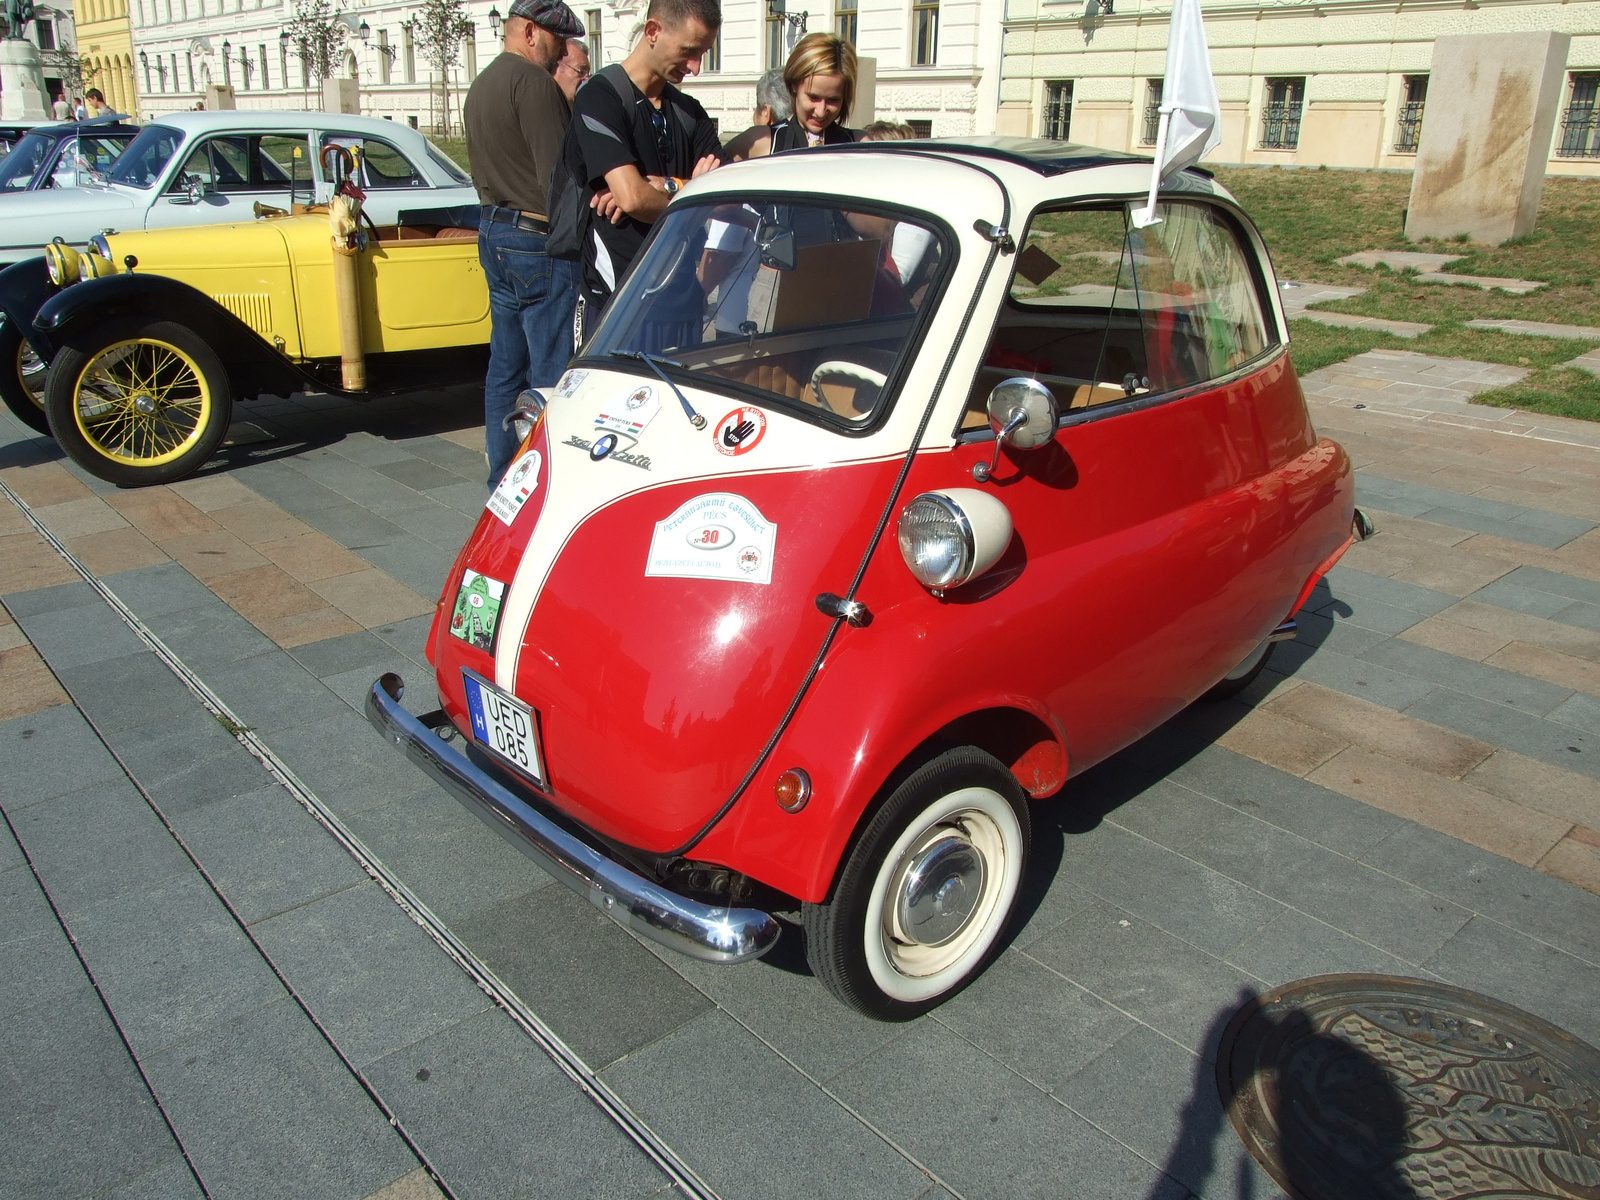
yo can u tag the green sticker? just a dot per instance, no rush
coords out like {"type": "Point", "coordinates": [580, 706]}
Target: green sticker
{"type": "Point", "coordinates": [477, 609]}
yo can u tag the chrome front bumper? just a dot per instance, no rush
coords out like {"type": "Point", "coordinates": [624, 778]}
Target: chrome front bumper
{"type": "Point", "coordinates": [703, 931]}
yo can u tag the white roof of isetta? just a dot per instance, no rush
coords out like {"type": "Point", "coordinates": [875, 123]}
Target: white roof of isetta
{"type": "Point", "coordinates": [958, 182]}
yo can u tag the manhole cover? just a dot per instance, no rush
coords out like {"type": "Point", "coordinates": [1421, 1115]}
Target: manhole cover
{"type": "Point", "coordinates": [1346, 1087]}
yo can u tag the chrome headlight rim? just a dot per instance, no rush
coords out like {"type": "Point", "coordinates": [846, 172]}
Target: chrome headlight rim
{"type": "Point", "coordinates": [966, 549]}
{"type": "Point", "coordinates": [99, 245]}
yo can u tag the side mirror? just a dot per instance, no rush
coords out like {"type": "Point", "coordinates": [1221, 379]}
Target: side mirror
{"type": "Point", "coordinates": [1023, 414]}
{"type": "Point", "coordinates": [197, 189]}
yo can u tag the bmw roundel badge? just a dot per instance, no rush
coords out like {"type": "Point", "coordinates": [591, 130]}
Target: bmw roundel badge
{"type": "Point", "coordinates": [603, 446]}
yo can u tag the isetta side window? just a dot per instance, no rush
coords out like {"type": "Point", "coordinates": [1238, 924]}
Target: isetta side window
{"type": "Point", "coordinates": [1103, 312]}
{"type": "Point", "coordinates": [806, 306]}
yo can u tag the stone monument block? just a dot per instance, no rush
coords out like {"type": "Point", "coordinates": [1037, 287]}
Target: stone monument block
{"type": "Point", "coordinates": [1486, 130]}
{"type": "Point", "coordinates": [341, 96]}
{"type": "Point", "coordinates": [21, 82]}
{"type": "Point", "coordinates": [219, 97]}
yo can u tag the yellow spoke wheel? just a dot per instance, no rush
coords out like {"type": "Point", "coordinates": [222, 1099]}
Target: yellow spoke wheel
{"type": "Point", "coordinates": [138, 401]}
{"type": "Point", "coordinates": [142, 402]}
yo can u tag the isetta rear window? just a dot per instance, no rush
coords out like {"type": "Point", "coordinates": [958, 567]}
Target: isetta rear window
{"type": "Point", "coordinates": [805, 306]}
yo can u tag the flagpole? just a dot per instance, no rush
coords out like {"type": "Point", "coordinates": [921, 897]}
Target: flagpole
{"type": "Point", "coordinates": [1147, 215]}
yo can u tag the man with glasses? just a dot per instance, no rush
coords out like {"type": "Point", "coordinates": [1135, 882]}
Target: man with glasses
{"type": "Point", "coordinates": [636, 139]}
{"type": "Point", "coordinates": [573, 68]}
{"type": "Point", "coordinates": [516, 118]}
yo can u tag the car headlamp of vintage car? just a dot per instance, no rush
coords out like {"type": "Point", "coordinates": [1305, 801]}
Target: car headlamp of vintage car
{"type": "Point", "coordinates": [62, 263]}
{"type": "Point", "coordinates": [952, 536]}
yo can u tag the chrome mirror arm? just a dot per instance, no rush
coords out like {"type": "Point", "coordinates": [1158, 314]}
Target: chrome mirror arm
{"type": "Point", "coordinates": [981, 471]}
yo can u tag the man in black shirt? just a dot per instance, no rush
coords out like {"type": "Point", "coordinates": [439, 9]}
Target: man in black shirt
{"type": "Point", "coordinates": [516, 119]}
{"type": "Point", "coordinates": [636, 139]}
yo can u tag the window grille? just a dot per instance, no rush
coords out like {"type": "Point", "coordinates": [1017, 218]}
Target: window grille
{"type": "Point", "coordinates": [1152, 112]}
{"type": "Point", "coordinates": [1580, 124]}
{"type": "Point", "coordinates": [1057, 110]}
{"type": "Point", "coordinates": [1280, 123]}
{"type": "Point", "coordinates": [923, 129]}
{"type": "Point", "coordinates": [924, 33]}
{"type": "Point", "coordinates": [1408, 131]}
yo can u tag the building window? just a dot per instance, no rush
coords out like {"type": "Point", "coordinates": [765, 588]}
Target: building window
{"type": "Point", "coordinates": [385, 56]}
{"type": "Point", "coordinates": [1580, 124]}
{"type": "Point", "coordinates": [924, 33]}
{"type": "Point", "coordinates": [1057, 111]}
{"type": "Point", "coordinates": [1408, 130]}
{"type": "Point", "coordinates": [46, 33]}
{"type": "Point", "coordinates": [175, 76]}
{"type": "Point", "coordinates": [1280, 123]}
{"type": "Point", "coordinates": [591, 20]}
{"type": "Point", "coordinates": [469, 48]}
{"type": "Point", "coordinates": [188, 67]}
{"type": "Point", "coordinates": [711, 60]}
{"type": "Point", "coordinates": [1152, 111]}
{"type": "Point", "coordinates": [147, 86]}
{"type": "Point", "coordinates": [844, 19]}
{"type": "Point", "coordinates": [777, 54]}
{"type": "Point", "coordinates": [408, 53]}
{"type": "Point", "coordinates": [923, 129]}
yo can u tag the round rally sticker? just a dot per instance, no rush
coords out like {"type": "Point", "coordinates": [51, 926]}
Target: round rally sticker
{"type": "Point", "coordinates": [739, 431]}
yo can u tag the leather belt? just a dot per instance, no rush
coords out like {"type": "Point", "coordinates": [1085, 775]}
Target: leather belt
{"type": "Point", "coordinates": [513, 216]}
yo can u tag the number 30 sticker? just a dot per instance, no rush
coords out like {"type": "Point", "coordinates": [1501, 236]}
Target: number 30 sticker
{"type": "Point", "coordinates": [739, 431]}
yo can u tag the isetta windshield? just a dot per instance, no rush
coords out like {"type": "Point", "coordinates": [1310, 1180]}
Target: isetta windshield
{"type": "Point", "coordinates": [807, 305]}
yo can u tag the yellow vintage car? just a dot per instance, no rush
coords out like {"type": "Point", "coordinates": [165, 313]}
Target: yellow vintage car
{"type": "Point", "coordinates": [151, 337]}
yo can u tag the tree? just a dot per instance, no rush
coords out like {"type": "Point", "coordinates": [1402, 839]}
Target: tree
{"type": "Point", "coordinates": [440, 29]}
{"type": "Point", "coordinates": [76, 72]}
{"type": "Point", "coordinates": [318, 30]}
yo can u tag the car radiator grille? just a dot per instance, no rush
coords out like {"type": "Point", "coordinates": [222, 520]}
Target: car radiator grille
{"type": "Point", "coordinates": [253, 308]}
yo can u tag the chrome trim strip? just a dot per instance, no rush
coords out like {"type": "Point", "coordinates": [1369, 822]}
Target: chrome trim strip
{"type": "Point", "coordinates": [707, 932]}
{"type": "Point", "coordinates": [1286, 632]}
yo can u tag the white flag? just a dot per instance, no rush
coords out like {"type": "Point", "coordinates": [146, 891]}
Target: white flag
{"type": "Point", "coordinates": [1191, 119]}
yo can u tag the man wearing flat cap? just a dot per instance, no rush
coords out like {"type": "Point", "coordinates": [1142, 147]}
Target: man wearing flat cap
{"type": "Point", "coordinates": [516, 119]}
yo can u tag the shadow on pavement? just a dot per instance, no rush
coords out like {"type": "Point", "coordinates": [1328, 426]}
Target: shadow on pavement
{"type": "Point", "coordinates": [1335, 1121]}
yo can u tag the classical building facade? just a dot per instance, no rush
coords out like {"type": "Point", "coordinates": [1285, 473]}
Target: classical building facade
{"type": "Point", "coordinates": [1302, 82]}
{"type": "Point", "coordinates": [937, 61]}
{"type": "Point", "coordinates": [105, 44]}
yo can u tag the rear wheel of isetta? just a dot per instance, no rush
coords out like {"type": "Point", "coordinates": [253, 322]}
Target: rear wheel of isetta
{"type": "Point", "coordinates": [22, 376]}
{"type": "Point", "coordinates": [138, 402]}
{"type": "Point", "coordinates": [923, 897]}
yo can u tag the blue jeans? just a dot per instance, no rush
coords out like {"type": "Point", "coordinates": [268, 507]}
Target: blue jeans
{"type": "Point", "coordinates": [531, 301]}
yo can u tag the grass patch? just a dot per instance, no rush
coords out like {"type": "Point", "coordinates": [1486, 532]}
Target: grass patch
{"type": "Point", "coordinates": [1550, 388]}
{"type": "Point", "coordinates": [1556, 391]}
{"type": "Point", "coordinates": [1312, 218]}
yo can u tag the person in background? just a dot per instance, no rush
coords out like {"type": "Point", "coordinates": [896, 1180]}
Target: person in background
{"type": "Point", "coordinates": [632, 155]}
{"type": "Point", "coordinates": [96, 102]}
{"type": "Point", "coordinates": [573, 68]}
{"type": "Point", "coordinates": [79, 112]}
{"type": "Point", "coordinates": [821, 80]}
{"type": "Point", "coordinates": [772, 99]}
{"type": "Point", "coordinates": [516, 117]}
{"type": "Point", "coordinates": [908, 243]}
{"type": "Point", "coordinates": [59, 108]}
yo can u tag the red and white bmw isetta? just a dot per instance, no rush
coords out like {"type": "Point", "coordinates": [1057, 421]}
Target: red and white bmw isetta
{"type": "Point", "coordinates": [899, 483]}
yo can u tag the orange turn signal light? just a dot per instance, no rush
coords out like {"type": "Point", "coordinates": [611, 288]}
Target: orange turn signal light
{"type": "Point", "coordinates": [792, 790]}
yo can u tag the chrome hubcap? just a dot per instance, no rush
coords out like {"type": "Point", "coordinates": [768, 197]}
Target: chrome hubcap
{"type": "Point", "coordinates": [145, 405]}
{"type": "Point", "coordinates": [939, 889]}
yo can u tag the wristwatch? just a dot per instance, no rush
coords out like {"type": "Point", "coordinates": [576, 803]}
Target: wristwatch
{"type": "Point", "coordinates": [672, 187]}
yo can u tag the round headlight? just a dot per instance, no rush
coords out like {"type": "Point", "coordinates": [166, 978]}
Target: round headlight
{"type": "Point", "coordinates": [936, 541]}
{"type": "Point", "coordinates": [949, 537]}
{"type": "Point", "coordinates": [61, 263]}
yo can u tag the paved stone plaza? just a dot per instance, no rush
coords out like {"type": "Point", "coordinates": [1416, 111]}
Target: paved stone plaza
{"type": "Point", "coordinates": [204, 991]}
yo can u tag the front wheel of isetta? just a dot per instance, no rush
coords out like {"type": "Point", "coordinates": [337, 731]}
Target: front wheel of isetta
{"type": "Point", "coordinates": [138, 402]}
{"type": "Point", "coordinates": [924, 895]}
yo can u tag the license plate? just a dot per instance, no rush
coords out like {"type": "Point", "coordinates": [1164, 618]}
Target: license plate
{"type": "Point", "coordinates": [504, 726]}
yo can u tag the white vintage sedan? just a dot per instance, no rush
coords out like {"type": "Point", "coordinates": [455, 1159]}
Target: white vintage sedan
{"type": "Point", "coordinates": [203, 168]}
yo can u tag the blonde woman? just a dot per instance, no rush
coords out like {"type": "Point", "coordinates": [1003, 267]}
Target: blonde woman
{"type": "Point", "coordinates": [821, 78]}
